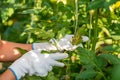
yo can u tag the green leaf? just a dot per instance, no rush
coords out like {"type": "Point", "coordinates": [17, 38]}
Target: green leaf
{"type": "Point", "coordinates": [32, 78]}
{"type": "Point", "coordinates": [77, 38]}
{"type": "Point", "coordinates": [6, 13]}
{"type": "Point", "coordinates": [86, 56]}
{"type": "Point", "coordinates": [107, 3]}
{"type": "Point", "coordinates": [111, 48]}
{"type": "Point", "coordinates": [112, 59]}
{"type": "Point", "coordinates": [116, 72]}
{"type": "Point", "coordinates": [41, 33]}
{"type": "Point", "coordinates": [22, 51]}
{"type": "Point", "coordinates": [30, 11]}
{"type": "Point", "coordinates": [51, 76]}
{"type": "Point", "coordinates": [87, 74]}
{"type": "Point", "coordinates": [14, 33]}
{"type": "Point", "coordinates": [100, 4]}
{"type": "Point", "coordinates": [96, 4]}
{"type": "Point", "coordinates": [101, 62]}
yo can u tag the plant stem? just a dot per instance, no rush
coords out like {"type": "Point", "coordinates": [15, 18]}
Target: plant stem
{"type": "Point", "coordinates": [95, 30]}
{"type": "Point", "coordinates": [31, 24]}
{"type": "Point", "coordinates": [76, 16]}
{"type": "Point", "coordinates": [91, 20]}
{"type": "Point", "coordinates": [37, 5]}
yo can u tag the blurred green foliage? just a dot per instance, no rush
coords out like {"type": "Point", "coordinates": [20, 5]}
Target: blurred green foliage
{"type": "Point", "coordinates": [28, 21]}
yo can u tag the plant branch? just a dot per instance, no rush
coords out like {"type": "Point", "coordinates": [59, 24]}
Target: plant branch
{"type": "Point", "coordinates": [76, 15]}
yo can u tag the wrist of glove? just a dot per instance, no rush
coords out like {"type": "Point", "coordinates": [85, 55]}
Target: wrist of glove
{"type": "Point", "coordinates": [36, 63]}
{"type": "Point", "coordinates": [43, 46]}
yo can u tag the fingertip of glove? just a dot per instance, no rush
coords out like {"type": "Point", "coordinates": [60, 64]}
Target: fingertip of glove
{"type": "Point", "coordinates": [65, 55]}
{"type": "Point", "coordinates": [85, 38]}
{"type": "Point", "coordinates": [62, 65]}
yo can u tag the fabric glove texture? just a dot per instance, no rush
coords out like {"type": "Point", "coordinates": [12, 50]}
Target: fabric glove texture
{"type": "Point", "coordinates": [36, 63]}
{"type": "Point", "coordinates": [62, 44]}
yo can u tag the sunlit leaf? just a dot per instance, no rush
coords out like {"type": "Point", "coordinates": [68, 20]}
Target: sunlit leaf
{"type": "Point", "coordinates": [6, 13]}
{"type": "Point", "coordinates": [116, 37]}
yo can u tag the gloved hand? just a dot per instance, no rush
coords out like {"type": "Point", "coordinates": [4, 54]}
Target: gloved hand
{"type": "Point", "coordinates": [62, 44]}
{"type": "Point", "coordinates": [36, 63]}
{"type": "Point", "coordinates": [65, 43]}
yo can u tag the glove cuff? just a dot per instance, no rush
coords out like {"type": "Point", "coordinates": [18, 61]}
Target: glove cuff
{"type": "Point", "coordinates": [19, 68]}
{"type": "Point", "coordinates": [43, 46]}
{"type": "Point", "coordinates": [16, 77]}
{"type": "Point", "coordinates": [33, 46]}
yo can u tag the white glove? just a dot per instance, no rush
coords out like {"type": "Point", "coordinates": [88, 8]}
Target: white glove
{"type": "Point", "coordinates": [43, 46]}
{"type": "Point", "coordinates": [65, 43]}
{"type": "Point", "coordinates": [36, 63]}
{"type": "Point", "coordinates": [62, 44]}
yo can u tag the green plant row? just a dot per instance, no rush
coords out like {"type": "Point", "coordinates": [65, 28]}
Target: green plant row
{"type": "Point", "coordinates": [28, 21]}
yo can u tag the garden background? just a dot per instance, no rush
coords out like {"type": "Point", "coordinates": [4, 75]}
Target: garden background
{"type": "Point", "coordinates": [28, 21]}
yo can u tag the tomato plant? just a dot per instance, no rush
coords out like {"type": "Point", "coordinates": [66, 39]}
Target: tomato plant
{"type": "Point", "coordinates": [28, 21]}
